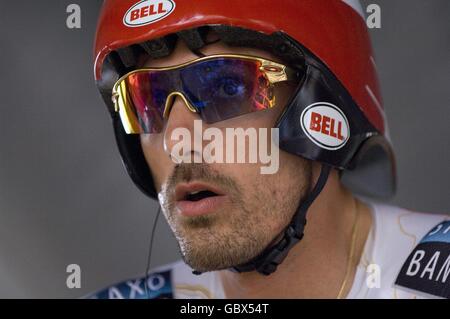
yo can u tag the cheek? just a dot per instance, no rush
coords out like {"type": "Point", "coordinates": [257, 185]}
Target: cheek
{"type": "Point", "coordinates": [158, 162]}
{"type": "Point", "coordinates": [288, 183]}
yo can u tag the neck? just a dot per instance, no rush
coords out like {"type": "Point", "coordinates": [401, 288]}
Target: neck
{"type": "Point", "coordinates": [320, 265]}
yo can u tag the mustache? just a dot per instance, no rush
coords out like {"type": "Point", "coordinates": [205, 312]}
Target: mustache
{"type": "Point", "coordinates": [199, 172]}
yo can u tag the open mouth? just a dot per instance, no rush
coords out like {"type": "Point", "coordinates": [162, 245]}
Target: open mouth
{"type": "Point", "coordinates": [195, 199]}
{"type": "Point", "coordinates": [199, 195]}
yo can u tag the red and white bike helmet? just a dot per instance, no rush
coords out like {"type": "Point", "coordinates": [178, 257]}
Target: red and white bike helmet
{"type": "Point", "coordinates": [327, 40]}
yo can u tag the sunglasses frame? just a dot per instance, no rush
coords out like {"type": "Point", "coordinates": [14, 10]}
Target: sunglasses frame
{"type": "Point", "coordinates": [275, 72]}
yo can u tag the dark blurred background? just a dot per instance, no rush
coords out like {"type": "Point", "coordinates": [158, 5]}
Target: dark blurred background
{"type": "Point", "coordinates": [64, 196]}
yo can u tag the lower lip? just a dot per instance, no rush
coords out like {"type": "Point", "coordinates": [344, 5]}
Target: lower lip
{"type": "Point", "coordinates": [202, 207]}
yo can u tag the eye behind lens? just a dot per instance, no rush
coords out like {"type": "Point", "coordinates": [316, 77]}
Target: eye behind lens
{"type": "Point", "coordinates": [230, 87]}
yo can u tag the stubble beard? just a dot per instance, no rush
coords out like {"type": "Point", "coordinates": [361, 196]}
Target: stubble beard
{"type": "Point", "coordinates": [240, 230]}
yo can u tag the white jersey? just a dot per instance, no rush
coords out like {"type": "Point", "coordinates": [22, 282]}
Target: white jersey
{"type": "Point", "coordinates": [395, 263]}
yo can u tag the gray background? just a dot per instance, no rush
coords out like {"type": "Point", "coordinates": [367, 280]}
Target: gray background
{"type": "Point", "coordinates": [64, 196]}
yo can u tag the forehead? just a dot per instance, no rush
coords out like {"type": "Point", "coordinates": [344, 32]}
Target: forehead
{"type": "Point", "coordinates": [182, 54]}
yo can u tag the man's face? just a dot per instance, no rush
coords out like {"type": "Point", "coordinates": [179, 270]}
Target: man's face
{"type": "Point", "coordinates": [218, 232]}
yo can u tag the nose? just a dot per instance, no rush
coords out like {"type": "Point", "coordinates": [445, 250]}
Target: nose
{"type": "Point", "coordinates": [180, 132]}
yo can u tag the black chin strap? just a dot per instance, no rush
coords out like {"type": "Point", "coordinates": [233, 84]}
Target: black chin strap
{"type": "Point", "coordinates": [268, 261]}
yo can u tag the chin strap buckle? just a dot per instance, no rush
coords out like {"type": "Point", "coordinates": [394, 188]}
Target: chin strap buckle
{"type": "Point", "coordinates": [276, 254]}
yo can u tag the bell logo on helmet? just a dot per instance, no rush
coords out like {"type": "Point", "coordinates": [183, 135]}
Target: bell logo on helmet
{"type": "Point", "coordinates": [325, 125]}
{"type": "Point", "coordinates": [147, 12]}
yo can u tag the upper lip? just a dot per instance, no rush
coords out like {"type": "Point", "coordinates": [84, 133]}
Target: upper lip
{"type": "Point", "coordinates": [183, 189]}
